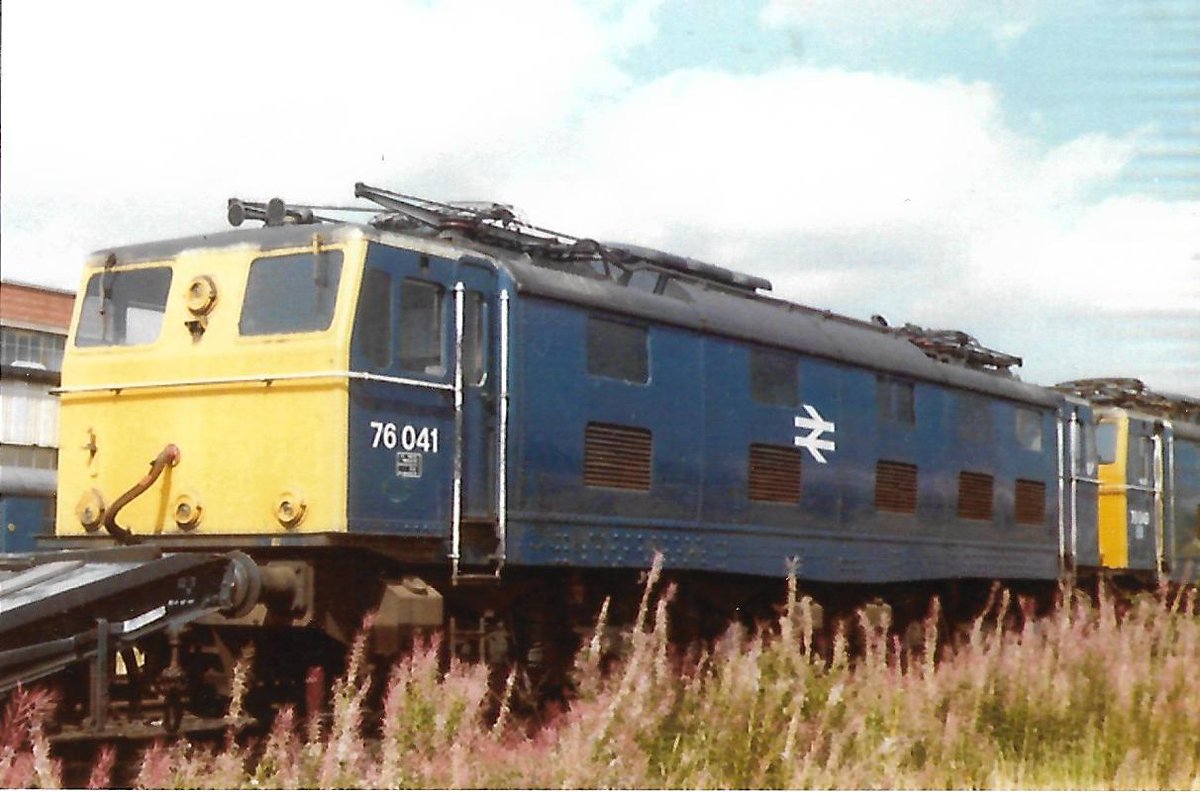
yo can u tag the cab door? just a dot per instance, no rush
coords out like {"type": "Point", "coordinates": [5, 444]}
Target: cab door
{"type": "Point", "coordinates": [1144, 488]}
{"type": "Point", "coordinates": [477, 325]}
{"type": "Point", "coordinates": [422, 414]}
{"type": "Point", "coordinates": [1081, 543]}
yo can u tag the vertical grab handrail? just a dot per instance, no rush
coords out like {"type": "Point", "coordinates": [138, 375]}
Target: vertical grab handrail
{"type": "Point", "coordinates": [457, 485]}
{"type": "Point", "coordinates": [1162, 466]}
{"type": "Point", "coordinates": [1064, 466]}
{"type": "Point", "coordinates": [1075, 459]}
{"type": "Point", "coordinates": [502, 441]}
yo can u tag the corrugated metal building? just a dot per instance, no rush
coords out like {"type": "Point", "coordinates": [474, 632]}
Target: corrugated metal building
{"type": "Point", "coordinates": [33, 331]}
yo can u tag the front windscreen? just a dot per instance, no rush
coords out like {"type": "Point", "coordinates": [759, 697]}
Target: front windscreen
{"type": "Point", "coordinates": [1106, 442]}
{"type": "Point", "coordinates": [295, 293]}
{"type": "Point", "coordinates": [123, 307]}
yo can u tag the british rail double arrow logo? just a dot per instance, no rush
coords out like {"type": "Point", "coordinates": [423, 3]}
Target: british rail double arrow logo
{"type": "Point", "coordinates": [817, 426]}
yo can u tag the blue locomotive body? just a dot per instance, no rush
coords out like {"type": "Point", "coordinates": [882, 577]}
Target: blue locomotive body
{"type": "Point", "coordinates": [650, 411]}
{"type": "Point", "coordinates": [733, 442]}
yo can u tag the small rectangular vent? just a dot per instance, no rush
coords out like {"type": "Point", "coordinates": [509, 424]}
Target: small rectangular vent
{"type": "Point", "coordinates": [975, 493]}
{"type": "Point", "coordinates": [616, 456]}
{"type": "Point", "coordinates": [896, 487]}
{"type": "Point", "coordinates": [1031, 502]}
{"type": "Point", "coordinates": [774, 474]}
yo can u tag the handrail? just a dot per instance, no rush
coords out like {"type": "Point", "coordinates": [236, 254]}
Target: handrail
{"type": "Point", "coordinates": [259, 378]}
{"type": "Point", "coordinates": [456, 495]}
{"type": "Point", "coordinates": [502, 438]}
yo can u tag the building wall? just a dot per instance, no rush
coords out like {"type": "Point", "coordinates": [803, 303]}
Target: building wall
{"type": "Point", "coordinates": [33, 330]}
{"type": "Point", "coordinates": [35, 307]}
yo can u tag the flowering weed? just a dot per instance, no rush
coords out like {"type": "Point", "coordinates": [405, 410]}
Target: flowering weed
{"type": "Point", "coordinates": [1080, 698]}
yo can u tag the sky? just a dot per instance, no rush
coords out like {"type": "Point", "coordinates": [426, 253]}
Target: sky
{"type": "Point", "coordinates": [1027, 172]}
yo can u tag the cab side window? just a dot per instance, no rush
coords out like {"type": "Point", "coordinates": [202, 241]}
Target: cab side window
{"type": "Point", "coordinates": [1028, 428]}
{"type": "Point", "coordinates": [474, 322]}
{"type": "Point", "coordinates": [421, 345]}
{"type": "Point", "coordinates": [1141, 460]}
{"type": "Point", "coordinates": [375, 318]}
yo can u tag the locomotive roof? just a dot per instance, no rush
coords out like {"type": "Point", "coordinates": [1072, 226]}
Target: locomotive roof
{"type": "Point", "coordinates": [770, 321]}
{"type": "Point", "coordinates": [689, 301]}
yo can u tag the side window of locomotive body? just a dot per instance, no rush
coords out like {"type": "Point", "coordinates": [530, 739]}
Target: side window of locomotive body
{"type": "Point", "coordinates": [894, 400]}
{"type": "Point", "coordinates": [1028, 429]}
{"type": "Point", "coordinates": [642, 280]}
{"type": "Point", "coordinates": [618, 350]}
{"type": "Point", "coordinates": [294, 293]}
{"type": "Point", "coordinates": [774, 377]}
{"type": "Point", "coordinates": [973, 418]}
{"type": "Point", "coordinates": [375, 318]}
{"type": "Point", "coordinates": [474, 324]}
{"type": "Point", "coordinates": [123, 307]}
{"type": "Point", "coordinates": [421, 342]}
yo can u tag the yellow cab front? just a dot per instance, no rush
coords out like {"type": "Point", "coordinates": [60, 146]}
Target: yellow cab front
{"type": "Point", "coordinates": [224, 358]}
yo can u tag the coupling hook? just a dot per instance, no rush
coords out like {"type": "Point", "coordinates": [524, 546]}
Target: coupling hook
{"type": "Point", "coordinates": [169, 456]}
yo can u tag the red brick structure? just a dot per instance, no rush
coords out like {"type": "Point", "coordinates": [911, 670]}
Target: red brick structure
{"type": "Point", "coordinates": [35, 307]}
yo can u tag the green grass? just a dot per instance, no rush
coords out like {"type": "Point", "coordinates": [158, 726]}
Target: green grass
{"type": "Point", "coordinates": [1077, 699]}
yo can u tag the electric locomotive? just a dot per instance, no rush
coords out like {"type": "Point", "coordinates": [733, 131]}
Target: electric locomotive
{"type": "Point", "coordinates": [448, 417]}
{"type": "Point", "coordinates": [1148, 455]}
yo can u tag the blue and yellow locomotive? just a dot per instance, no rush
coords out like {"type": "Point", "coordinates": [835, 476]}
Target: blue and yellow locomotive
{"type": "Point", "coordinates": [446, 415]}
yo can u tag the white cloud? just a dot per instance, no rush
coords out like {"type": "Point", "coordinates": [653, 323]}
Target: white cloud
{"type": "Point", "coordinates": [134, 109]}
{"type": "Point", "coordinates": [855, 191]}
{"type": "Point", "coordinates": [872, 193]}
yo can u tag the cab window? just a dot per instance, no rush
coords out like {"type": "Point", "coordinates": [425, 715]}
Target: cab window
{"type": "Point", "coordinates": [1086, 455]}
{"type": "Point", "coordinates": [474, 324]}
{"type": "Point", "coordinates": [421, 327]}
{"type": "Point", "coordinates": [123, 307]}
{"type": "Point", "coordinates": [1106, 442]}
{"type": "Point", "coordinates": [375, 318]}
{"type": "Point", "coordinates": [1028, 427]}
{"type": "Point", "coordinates": [295, 293]}
{"type": "Point", "coordinates": [1141, 460]}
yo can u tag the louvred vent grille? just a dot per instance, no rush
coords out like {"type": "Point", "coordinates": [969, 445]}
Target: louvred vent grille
{"type": "Point", "coordinates": [975, 493]}
{"type": "Point", "coordinates": [896, 487]}
{"type": "Point", "coordinates": [615, 456]}
{"type": "Point", "coordinates": [774, 474]}
{"type": "Point", "coordinates": [1031, 502]}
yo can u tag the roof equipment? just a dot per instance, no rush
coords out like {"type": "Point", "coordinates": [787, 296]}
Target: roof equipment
{"type": "Point", "coordinates": [489, 223]}
{"type": "Point", "coordinates": [1129, 392]}
{"type": "Point", "coordinates": [957, 347]}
